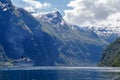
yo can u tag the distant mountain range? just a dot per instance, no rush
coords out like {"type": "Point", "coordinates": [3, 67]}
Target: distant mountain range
{"type": "Point", "coordinates": [107, 33]}
{"type": "Point", "coordinates": [47, 39]}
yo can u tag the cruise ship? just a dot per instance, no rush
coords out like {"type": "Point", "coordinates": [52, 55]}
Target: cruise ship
{"type": "Point", "coordinates": [23, 61]}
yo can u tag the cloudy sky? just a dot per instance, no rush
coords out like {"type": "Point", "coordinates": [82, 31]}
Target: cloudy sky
{"type": "Point", "coordinates": [79, 12]}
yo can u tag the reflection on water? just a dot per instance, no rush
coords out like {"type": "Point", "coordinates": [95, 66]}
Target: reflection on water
{"type": "Point", "coordinates": [73, 74]}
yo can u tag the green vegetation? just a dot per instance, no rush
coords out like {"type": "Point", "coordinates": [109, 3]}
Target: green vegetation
{"type": "Point", "coordinates": [116, 62]}
{"type": "Point", "coordinates": [4, 61]}
{"type": "Point", "coordinates": [111, 55]}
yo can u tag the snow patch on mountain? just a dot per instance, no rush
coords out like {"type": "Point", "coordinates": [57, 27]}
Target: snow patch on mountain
{"type": "Point", "coordinates": [104, 31]}
{"type": "Point", "coordinates": [53, 17]}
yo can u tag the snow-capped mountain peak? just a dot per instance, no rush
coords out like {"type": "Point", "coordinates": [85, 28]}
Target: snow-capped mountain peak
{"type": "Point", "coordinates": [52, 17]}
{"type": "Point", "coordinates": [53, 14]}
{"type": "Point", "coordinates": [105, 30]}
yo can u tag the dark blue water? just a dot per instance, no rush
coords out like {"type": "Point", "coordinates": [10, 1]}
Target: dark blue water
{"type": "Point", "coordinates": [59, 74]}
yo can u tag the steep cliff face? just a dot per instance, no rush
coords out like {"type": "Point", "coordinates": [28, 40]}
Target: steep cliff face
{"type": "Point", "coordinates": [21, 35]}
{"type": "Point", "coordinates": [111, 55]}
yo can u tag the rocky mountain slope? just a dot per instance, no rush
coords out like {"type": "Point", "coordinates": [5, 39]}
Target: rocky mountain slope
{"type": "Point", "coordinates": [21, 35]}
{"type": "Point", "coordinates": [47, 40]}
{"type": "Point", "coordinates": [111, 55]}
{"type": "Point", "coordinates": [84, 44]}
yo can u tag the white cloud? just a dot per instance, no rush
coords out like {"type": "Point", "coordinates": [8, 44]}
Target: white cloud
{"type": "Point", "coordinates": [30, 9]}
{"type": "Point", "coordinates": [36, 5]}
{"type": "Point", "coordinates": [93, 12]}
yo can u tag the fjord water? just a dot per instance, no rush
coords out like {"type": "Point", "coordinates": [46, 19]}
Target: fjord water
{"type": "Point", "coordinates": [59, 73]}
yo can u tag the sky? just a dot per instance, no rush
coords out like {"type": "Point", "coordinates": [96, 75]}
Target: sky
{"type": "Point", "coordinates": [42, 5]}
{"type": "Point", "coordinates": [78, 12]}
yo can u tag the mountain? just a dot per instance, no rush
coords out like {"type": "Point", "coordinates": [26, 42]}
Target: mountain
{"type": "Point", "coordinates": [108, 33]}
{"type": "Point", "coordinates": [84, 45]}
{"type": "Point", "coordinates": [21, 35]}
{"type": "Point", "coordinates": [48, 40]}
{"type": "Point", "coordinates": [111, 55]}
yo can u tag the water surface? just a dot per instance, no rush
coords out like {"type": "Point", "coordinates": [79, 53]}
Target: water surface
{"type": "Point", "coordinates": [59, 73]}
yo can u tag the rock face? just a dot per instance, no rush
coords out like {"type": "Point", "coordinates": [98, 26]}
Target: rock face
{"type": "Point", "coordinates": [111, 55]}
{"type": "Point", "coordinates": [48, 40]}
{"type": "Point", "coordinates": [21, 35]}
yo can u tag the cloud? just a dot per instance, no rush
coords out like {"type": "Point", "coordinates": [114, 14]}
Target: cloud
{"type": "Point", "coordinates": [93, 12]}
{"type": "Point", "coordinates": [30, 9]}
{"type": "Point", "coordinates": [34, 5]}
